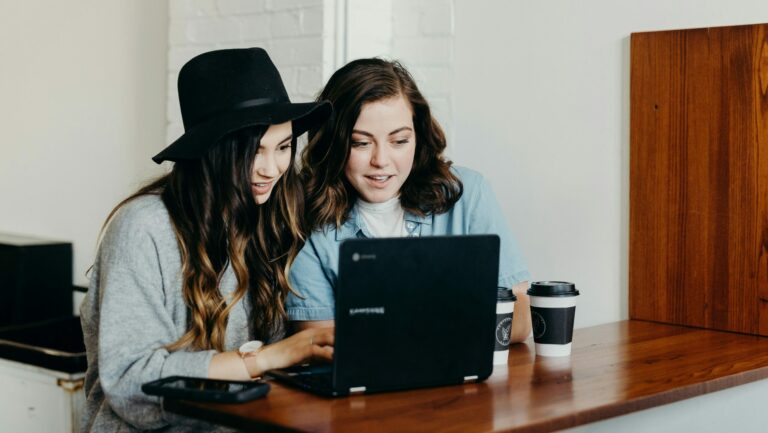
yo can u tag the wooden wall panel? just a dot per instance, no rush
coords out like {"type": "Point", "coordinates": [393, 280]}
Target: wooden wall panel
{"type": "Point", "coordinates": [761, 87]}
{"type": "Point", "coordinates": [699, 178]}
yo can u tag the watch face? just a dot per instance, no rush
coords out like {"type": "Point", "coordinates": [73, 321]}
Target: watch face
{"type": "Point", "coordinates": [251, 346]}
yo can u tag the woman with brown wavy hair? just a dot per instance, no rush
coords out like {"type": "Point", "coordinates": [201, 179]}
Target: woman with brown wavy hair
{"type": "Point", "coordinates": [376, 168]}
{"type": "Point", "coordinates": [191, 274]}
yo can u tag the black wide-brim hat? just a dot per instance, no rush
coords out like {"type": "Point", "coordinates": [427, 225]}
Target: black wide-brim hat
{"type": "Point", "coordinates": [226, 90]}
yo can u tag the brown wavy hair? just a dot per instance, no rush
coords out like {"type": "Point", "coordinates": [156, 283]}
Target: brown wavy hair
{"type": "Point", "coordinates": [217, 223]}
{"type": "Point", "coordinates": [431, 187]}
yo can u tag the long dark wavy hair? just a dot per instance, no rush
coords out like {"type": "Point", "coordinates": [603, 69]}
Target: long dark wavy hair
{"type": "Point", "coordinates": [217, 223]}
{"type": "Point", "coordinates": [431, 187]}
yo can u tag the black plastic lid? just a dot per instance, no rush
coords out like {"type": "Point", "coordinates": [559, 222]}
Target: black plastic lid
{"type": "Point", "coordinates": [552, 288]}
{"type": "Point", "coordinates": [504, 294]}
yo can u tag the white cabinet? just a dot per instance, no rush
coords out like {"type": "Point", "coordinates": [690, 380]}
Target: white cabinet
{"type": "Point", "coordinates": [37, 400]}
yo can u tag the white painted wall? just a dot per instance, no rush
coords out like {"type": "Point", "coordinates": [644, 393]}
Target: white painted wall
{"type": "Point", "coordinates": [541, 107]}
{"type": "Point", "coordinates": [82, 104]}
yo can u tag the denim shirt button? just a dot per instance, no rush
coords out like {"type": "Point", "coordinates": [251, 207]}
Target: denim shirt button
{"type": "Point", "coordinates": [410, 225]}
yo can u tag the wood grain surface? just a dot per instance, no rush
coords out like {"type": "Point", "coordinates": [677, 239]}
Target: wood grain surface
{"type": "Point", "coordinates": [614, 369]}
{"type": "Point", "coordinates": [699, 178]}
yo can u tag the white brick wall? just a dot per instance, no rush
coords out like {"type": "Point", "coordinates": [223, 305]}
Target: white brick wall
{"type": "Point", "coordinates": [422, 39]}
{"type": "Point", "coordinates": [369, 28]}
{"type": "Point", "coordinates": [290, 30]}
{"type": "Point", "coordinates": [309, 39]}
{"type": "Point", "coordinates": [240, 7]}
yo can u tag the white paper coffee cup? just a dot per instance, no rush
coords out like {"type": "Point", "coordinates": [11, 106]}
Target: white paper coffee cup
{"type": "Point", "coordinates": [505, 308]}
{"type": "Point", "coordinates": [553, 309]}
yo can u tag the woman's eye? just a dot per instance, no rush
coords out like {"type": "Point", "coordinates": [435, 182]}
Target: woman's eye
{"type": "Point", "coordinates": [403, 141]}
{"type": "Point", "coordinates": [359, 143]}
{"type": "Point", "coordinates": [284, 147]}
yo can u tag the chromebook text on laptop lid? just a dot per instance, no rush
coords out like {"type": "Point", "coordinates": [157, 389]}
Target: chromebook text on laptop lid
{"type": "Point", "coordinates": [410, 313]}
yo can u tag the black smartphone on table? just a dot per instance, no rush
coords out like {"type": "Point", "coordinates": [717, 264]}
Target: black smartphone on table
{"type": "Point", "coordinates": [201, 389]}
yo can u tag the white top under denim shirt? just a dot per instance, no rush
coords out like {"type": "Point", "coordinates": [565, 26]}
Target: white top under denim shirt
{"type": "Point", "coordinates": [383, 219]}
{"type": "Point", "coordinates": [315, 270]}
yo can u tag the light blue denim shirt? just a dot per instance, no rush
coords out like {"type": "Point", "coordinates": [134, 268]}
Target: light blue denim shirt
{"type": "Point", "coordinates": [314, 272]}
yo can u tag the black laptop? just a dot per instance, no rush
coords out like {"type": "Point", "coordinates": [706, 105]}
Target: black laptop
{"type": "Point", "coordinates": [410, 313]}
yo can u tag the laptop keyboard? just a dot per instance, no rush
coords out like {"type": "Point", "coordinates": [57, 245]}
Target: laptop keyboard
{"type": "Point", "coordinates": [315, 377]}
{"type": "Point", "coordinates": [305, 369]}
{"type": "Point", "coordinates": [315, 381]}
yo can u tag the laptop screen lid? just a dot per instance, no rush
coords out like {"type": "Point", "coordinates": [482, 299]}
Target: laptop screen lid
{"type": "Point", "coordinates": [415, 312]}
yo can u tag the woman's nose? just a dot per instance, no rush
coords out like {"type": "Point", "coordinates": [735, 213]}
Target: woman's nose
{"type": "Point", "coordinates": [267, 166]}
{"type": "Point", "coordinates": [379, 156]}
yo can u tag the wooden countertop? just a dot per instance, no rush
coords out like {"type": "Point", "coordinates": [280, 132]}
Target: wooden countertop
{"type": "Point", "coordinates": [615, 369]}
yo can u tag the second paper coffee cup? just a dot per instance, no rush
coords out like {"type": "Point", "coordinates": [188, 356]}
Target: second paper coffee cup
{"type": "Point", "coordinates": [505, 308]}
{"type": "Point", "coordinates": [553, 309]}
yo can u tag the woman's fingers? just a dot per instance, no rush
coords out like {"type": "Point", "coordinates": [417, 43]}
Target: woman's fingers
{"type": "Point", "coordinates": [314, 343]}
{"type": "Point", "coordinates": [324, 353]}
{"type": "Point", "coordinates": [322, 337]}
{"type": "Point", "coordinates": [320, 343]}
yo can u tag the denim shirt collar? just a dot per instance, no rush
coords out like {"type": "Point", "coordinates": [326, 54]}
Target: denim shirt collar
{"type": "Point", "coordinates": [354, 226]}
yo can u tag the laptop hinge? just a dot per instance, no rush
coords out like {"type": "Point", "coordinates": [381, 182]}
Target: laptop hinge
{"type": "Point", "coordinates": [356, 389]}
{"type": "Point", "coordinates": [470, 379]}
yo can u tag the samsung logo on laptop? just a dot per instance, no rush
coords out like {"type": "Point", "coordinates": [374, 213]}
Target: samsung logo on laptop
{"type": "Point", "coordinates": [367, 311]}
{"type": "Point", "coordinates": [357, 257]}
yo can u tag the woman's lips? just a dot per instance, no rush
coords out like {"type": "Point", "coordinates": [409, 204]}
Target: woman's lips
{"type": "Point", "coordinates": [261, 187]}
{"type": "Point", "coordinates": [379, 181]}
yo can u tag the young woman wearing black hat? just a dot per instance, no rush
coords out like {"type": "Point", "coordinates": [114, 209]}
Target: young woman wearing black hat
{"type": "Point", "coordinates": [190, 276]}
{"type": "Point", "coordinates": [376, 169]}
